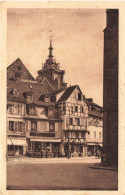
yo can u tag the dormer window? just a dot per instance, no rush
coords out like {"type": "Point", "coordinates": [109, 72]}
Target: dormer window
{"type": "Point", "coordinates": [15, 92]}
{"type": "Point", "coordinates": [47, 98]}
{"type": "Point", "coordinates": [29, 96]}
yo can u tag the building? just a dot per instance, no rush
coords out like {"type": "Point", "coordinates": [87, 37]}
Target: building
{"type": "Point", "coordinates": [45, 118]}
{"type": "Point", "coordinates": [51, 72]}
{"type": "Point", "coordinates": [33, 122]}
{"type": "Point", "coordinates": [110, 89]}
{"type": "Point", "coordinates": [74, 113]}
{"type": "Point", "coordinates": [95, 126]}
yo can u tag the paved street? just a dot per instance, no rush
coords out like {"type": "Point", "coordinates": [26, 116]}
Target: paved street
{"type": "Point", "coordinates": [58, 174]}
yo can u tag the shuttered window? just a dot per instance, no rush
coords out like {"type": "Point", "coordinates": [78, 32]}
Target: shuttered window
{"type": "Point", "coordinates": [56, 127]}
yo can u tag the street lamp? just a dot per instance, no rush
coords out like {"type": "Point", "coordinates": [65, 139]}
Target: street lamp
{"type": "Point", "coordinates": [68, 134]}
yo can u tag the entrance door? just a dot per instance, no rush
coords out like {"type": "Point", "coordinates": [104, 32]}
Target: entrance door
{"type": "Point", "coordinates": [20, 149]}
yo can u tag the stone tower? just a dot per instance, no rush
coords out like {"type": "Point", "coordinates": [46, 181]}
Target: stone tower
{"type": "Point", "coordinates": [51, 71]}
{"type": "Point", "coordinates": [110, 89]}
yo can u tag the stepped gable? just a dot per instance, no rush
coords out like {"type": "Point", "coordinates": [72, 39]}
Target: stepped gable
{"type": "Point", "coordinates": [18, 70]}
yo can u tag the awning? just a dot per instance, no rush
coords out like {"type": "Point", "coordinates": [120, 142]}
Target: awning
{"type": "Point", "coordinates": [16, 142]}
{"type": "Point", "coordinates": [44, 140]}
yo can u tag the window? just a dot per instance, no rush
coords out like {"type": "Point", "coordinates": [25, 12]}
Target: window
{"type": "Point", "coordinates": [66, 134]}
{"type": "Point", "coordinates": [15, 126]}
{"type": "Point", "coordinates": [19, 67]}
{"type": "Point", "coordinates": [64, 108]}
{"type": "Point", "coordinates": [20, 126]}
{"type": "Point", "coordinates": [18, 109]}
{"type": "Point", "coordinates": [51, 127]}
{"type": "Point", "coordinates": [15, 92]}
{"type": "Point", "coordinates": [81, 109]}
{"type": "Point", "coordinates": [79, 96]}
{"type": "Point", "coordinates": [47, 98]}
{"type": "Point", "coordinates": [77, 120]}
{"type": "Point", "coordinates": [11, 109]}
{"type": "Point", "coordinates": [100, 135]}
{"type": "Point", "coordinates": [33, 126]}
{"type": "Point", "coordinates": [94, 134]}
{"type": "Point", "coordinates": [11, 125]}
{"type": "Point", "coordinates": [89, 134]}
{"type": "Point", "coordinates": [29, 97]}
{"type": "Point", "coordinates": [71, 121]}
{"type": "Point", "coordinates": [72, 109]}
{"type": "Point", "coordinates": [76, 109]}
{"type": "Point", "coordinates": [32, 110]}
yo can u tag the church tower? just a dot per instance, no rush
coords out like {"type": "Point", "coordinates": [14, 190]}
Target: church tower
{"type": "Point", "coordinates": [51, 71]}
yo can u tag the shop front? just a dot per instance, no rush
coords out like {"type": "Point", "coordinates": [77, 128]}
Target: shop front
{"type": "Point", "coordinates": [44, 148]}
{"type": "Point", "coordinates": [76, 149]}
{"type": "Point", "coordinates": [16, 147]}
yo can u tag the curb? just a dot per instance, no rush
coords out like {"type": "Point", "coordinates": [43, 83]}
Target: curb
{"type": "Point", "coordinates": [98, 166]}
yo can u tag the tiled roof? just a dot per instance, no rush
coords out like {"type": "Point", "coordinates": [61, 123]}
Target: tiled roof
{"type": "Point", "coordinates": [48, 85]}
{"type": "Point", "coordinates": [57, 91]}
{"type": "Point", "coordinates": [67, 93]}
{"type": "Point", "coordinates": [17, 67]}
{"type": "Point", "coordinates": [22, 87]}
{"type": "Point", "coordinates": [90, 101]}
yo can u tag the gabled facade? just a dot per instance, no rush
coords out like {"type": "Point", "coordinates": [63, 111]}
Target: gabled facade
{"type": "Point", "coordinates": [74, 113]}
{"type": "Point", "coordinates": [45, 118]}
{"type": "Point", "coordinates": [33, 122]}
{"type": "Point", "coordinates": [95, 126]}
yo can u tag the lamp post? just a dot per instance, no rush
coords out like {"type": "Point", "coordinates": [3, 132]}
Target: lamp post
{"type": "Point", "coordinates": [68, 134]}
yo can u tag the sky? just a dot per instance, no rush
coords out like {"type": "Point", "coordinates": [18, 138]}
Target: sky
{"type": "Point", "coordinates": [77, 38]}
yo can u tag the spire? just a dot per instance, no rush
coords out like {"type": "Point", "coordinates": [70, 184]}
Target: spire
{"type": "Point", "coordinates": [50, 48]}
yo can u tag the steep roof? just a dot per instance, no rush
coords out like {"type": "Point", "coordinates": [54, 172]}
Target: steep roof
{"type": "Point", "coordinates": [90, 101]}
{"type": "Point", "coordinates": [50, 88]}
{"type": "Point", "coordinates": [17, 67]}
{"type": "Point", "coordinates": [67, 93]}
{"type": "Point", "coordinates": [22, 87]}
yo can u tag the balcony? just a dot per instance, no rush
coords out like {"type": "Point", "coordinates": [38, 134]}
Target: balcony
{"type": "Point", "coordinates": [76, 140]}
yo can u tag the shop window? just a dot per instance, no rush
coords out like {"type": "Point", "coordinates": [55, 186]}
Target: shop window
{"type": "Point", "coordinates": [51, 127]}
{"type": "Point", "coordinates": [11, 125]}
{"type": "Point", "coordinates": [72, 149]}
{"type": "Point", "coordinates": [33, 126]}
{"type": "Point", "coordinates": [76, 108]}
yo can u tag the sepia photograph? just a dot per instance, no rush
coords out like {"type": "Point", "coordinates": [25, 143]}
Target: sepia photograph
{"type": "Point", "coordinates": [62, 99]}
